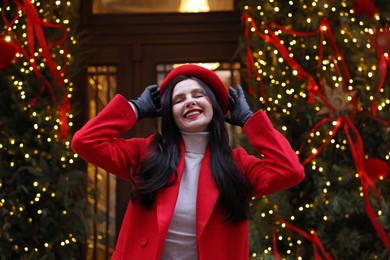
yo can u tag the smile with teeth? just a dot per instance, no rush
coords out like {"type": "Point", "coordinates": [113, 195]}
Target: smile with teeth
{"type": "Point", "coordinates": [192, 113]}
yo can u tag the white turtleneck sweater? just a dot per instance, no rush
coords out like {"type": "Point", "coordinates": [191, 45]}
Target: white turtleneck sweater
{"type": "Point", "coordinates": [181, 239]}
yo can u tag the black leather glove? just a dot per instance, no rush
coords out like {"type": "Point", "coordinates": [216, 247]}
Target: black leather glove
{"type": "Point", "coordinates": [239, 108]}
{"type": "Point", "coordinates": [148, 103]}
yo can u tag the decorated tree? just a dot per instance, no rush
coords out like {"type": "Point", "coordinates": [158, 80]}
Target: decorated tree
{"type": "Point", "coordinates": [42, 199]}
{"type": "Point", "coordinates": [320, 70]}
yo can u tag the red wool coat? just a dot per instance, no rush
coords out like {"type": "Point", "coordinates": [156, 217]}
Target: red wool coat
{"type": "Point", "coordinates": [143, 232]}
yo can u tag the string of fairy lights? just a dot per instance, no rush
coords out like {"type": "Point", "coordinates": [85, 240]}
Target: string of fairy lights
{"type": "Point", "coordinates": [284, 96]}
{"type": "Point", "coordinates": [36, 53]}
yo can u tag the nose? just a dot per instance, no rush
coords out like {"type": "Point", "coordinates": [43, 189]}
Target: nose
{"type": "Point", "coordinates": [190, 103]}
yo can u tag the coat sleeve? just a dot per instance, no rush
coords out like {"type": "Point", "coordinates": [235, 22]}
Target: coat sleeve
{"type": "Point", "coordinates": [99, 142]}
{"type": "Point", "coordinates": [278, 168]}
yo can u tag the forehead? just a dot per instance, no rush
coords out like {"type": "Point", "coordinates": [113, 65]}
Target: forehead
{"type": "Point", "coordinates": [186, 86]}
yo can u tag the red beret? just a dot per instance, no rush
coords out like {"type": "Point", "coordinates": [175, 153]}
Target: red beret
{"type": "Point", "coordinates": [207, 76]}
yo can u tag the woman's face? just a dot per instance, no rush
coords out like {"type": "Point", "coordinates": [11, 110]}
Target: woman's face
{"type": "Point", "coordinates": [191, 107]}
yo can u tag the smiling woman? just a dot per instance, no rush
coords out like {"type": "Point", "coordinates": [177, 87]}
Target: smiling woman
{"type": "Point", "coordinates": [190, 190]}
{"type": "Point", "coordinates": [158, 6]}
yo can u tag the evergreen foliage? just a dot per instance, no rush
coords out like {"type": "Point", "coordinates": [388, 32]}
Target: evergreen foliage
{"type": "Point", "coordinates": [42, 196]}
{"type": "Point", "coordinates": [329, 203]}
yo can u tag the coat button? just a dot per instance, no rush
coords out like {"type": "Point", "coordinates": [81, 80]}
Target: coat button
{"type": "Point", "coordinates": [143, 242]}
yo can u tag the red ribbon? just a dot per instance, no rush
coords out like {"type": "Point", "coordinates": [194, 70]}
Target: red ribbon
{"type": "Point", "coordinates": [365, 7]}
{"type": "Point", "coordinates": [274, 40]}
{"type": "Point", "coordinates": [64, 108]}
{"type": "Point", "coordinates": [312, 237]}
{"type": "Point", "coordinates": [250, 62]}
{"type": "Point", "coordinates": [9, 24]}
{"type": "Point", "coordinates": [274, 243]}
{"type": "Point", "coordinates": [382, 72]}
{"type": "Point", "coordinates": [327, 141]}
{"type": "Point", "coordinates": [336, 54]}
{"type": "Point", "coordinates": [366, 182]}
{"type": "Point", "coordinates": [35, 31]}
{"type": "Point", "coordinates": [357, 152]}
{"type": "Point", "coordinates": [324, 31]}
{"type": "Point", "coordinates": [383, 122]}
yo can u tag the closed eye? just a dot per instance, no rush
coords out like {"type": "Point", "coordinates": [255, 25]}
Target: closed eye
{"type": "Point", "coordinates": [199, 93]}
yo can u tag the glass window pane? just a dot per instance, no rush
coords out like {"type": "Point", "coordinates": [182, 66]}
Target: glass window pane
{"type": "Point", "coordinates": [102, 86]}
{"type": "Point", "coordinates": [158, 6]}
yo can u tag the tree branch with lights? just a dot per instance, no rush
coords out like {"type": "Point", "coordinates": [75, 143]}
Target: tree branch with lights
{"type": "Point", "coordinates": [42, 196]}
{"type": "Point", "coordinates": [331, 91]}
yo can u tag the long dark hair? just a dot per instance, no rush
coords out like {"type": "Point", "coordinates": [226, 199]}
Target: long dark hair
{"type": "Point", "coordinates": [164, 156]}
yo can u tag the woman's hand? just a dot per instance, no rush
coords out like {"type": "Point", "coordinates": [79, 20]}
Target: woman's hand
{"type": "Point", "coordinates": [239, 108]}
{"type": "Point", "coordinates": [148, 103]}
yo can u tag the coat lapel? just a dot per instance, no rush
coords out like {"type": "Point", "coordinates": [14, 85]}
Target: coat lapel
{"type": "Point", "coordinates": [206, 198]}
{"type": "Point", "coordinates": [207, 195]}
{"type": "Point", "coordinates": [166, 201]}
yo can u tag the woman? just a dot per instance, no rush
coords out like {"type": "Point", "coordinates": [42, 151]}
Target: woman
{"type": "Point", "coordinates": [190, 190]}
